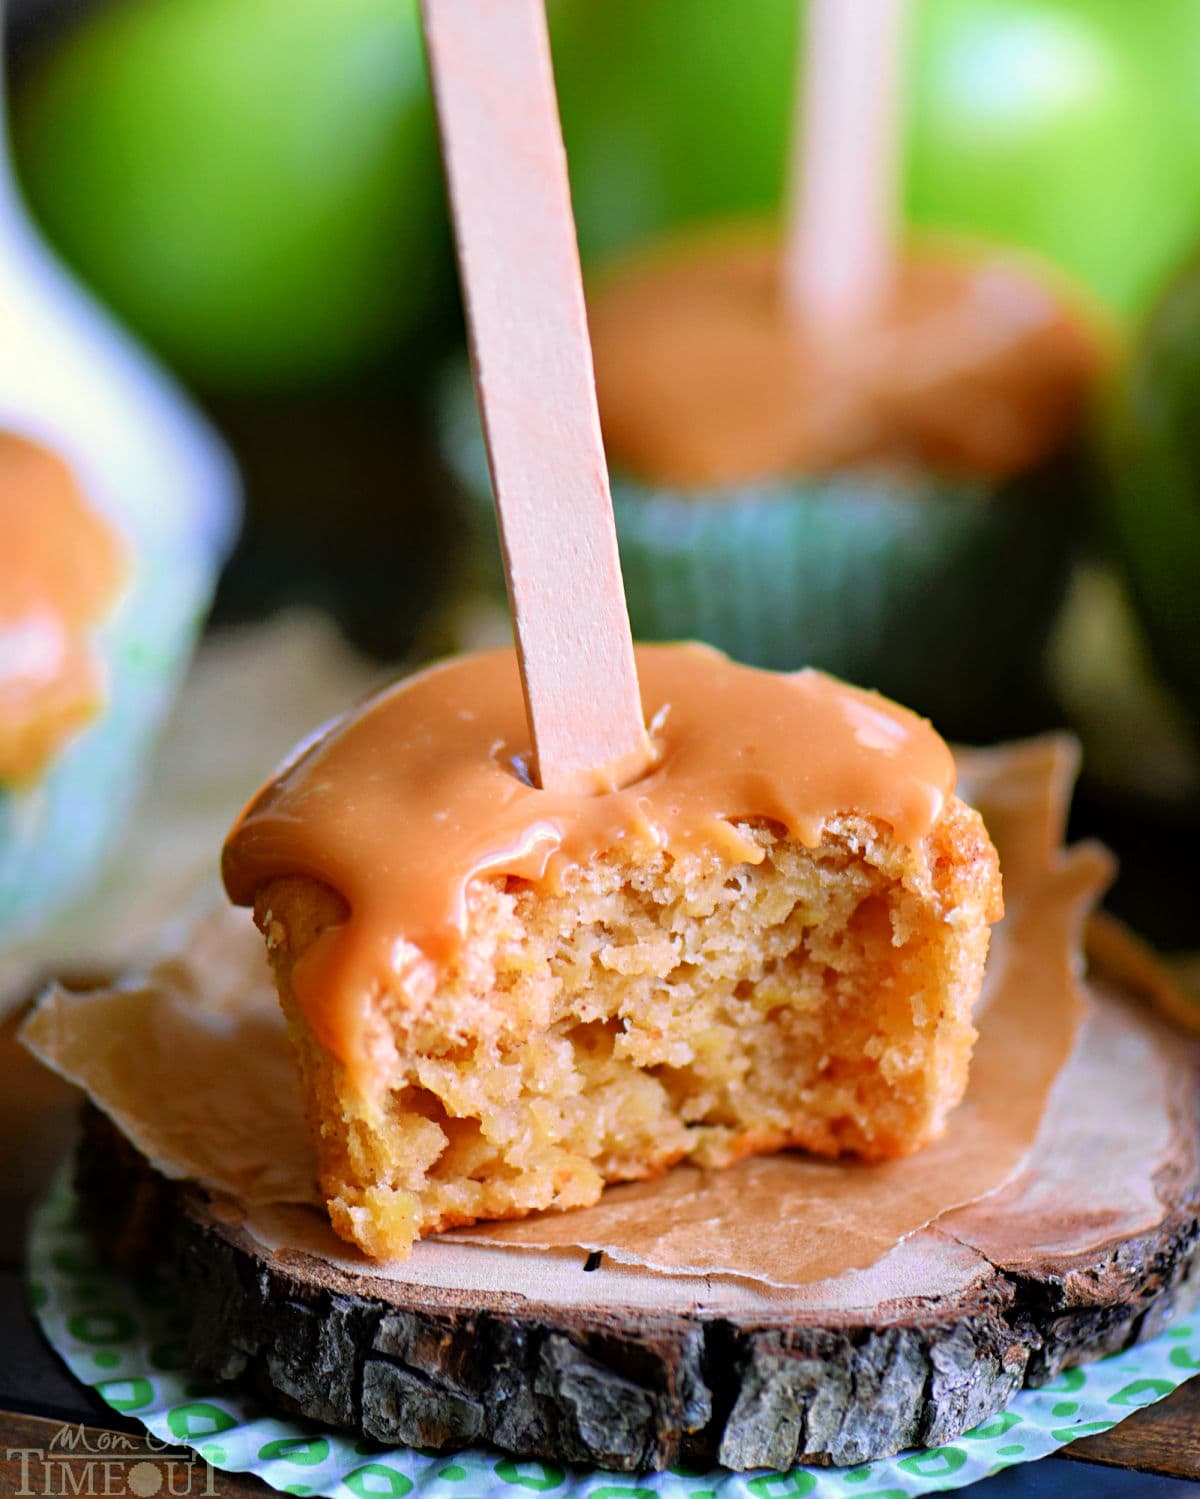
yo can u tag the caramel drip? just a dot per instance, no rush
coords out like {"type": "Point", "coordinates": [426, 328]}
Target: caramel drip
{"type": "Point", "coordinates": [399, 805]}
{"type": "Point", "coordinates": [60, 568]}
{"type": "Point", "coordinates": [705, 379]}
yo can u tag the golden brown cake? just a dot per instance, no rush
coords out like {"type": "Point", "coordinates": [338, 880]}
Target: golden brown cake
{"type": "Point", "coordinates": [771, 945]}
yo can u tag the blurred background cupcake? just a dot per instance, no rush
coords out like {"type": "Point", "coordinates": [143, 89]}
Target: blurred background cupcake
{"type": "Point", "coordinates": [901, 507]}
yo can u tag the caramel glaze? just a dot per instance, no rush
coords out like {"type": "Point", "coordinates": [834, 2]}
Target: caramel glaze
{"type": "Point", "coordinates": [971, 366]}
{"type": "Point", "coordinates": [60, 568]}
{"type": "Point", "coordinates": [400, 804]}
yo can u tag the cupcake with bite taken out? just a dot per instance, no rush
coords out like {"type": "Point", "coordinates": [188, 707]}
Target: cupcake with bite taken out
{"type": "Point", "coordinates": [502, 998]}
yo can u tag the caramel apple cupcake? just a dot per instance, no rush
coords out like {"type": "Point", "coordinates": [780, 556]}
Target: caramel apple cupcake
{"type": "Point", "coordinates": [503, 998]}
{"type": "Point", "coordinates": [900, 506]}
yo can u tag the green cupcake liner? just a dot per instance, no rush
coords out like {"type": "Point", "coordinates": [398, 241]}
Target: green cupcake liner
{"type": "Point", "coordinates": [938, 591]}
{"type": "Point", "coordinates": [120, 1335]}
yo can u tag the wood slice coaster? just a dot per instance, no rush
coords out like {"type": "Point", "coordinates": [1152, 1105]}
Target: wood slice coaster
{"type": "Point", "coordinates": [547, 1355]}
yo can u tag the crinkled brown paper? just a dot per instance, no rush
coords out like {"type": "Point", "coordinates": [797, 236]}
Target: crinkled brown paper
{"type": "Point", "coordinates": [192, 1064]}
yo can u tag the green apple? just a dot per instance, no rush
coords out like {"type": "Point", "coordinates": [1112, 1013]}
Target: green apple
{"type": "Point", "coordinates": [672, 110]}
{"type": "Point", "coordinates": [1070, 127]}
{"type": "Point", "coordinates": [1150, 439]}
{"type": "Point", "coordinates": [252, 184]}
{"type": "Point", "coordinates": [1056, 125]}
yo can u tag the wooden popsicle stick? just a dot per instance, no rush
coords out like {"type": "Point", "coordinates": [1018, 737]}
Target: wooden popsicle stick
{"type": "Point", "coordinates": [506, 169]}
{"type": "Point", "coordinates": [841, 247]}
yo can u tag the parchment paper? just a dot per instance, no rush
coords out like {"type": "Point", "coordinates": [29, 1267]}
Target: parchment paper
{"type": "Point", "coordinates": [192, 1064]}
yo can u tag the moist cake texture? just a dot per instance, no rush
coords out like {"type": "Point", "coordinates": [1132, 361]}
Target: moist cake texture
{"type": "Point", "coordinates": [651, 1000]}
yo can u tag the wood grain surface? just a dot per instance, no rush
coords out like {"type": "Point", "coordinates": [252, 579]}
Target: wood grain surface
{"type": "Point", "coordinates": [1164, 1438]}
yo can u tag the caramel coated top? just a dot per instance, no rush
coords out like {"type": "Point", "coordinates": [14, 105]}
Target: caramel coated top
{"type": "Point", "coordinates": [401, 803]}
{"type": "Point", "coordinates": [704, 377]}
{"type": "Point", "coordinates": [60, 568]}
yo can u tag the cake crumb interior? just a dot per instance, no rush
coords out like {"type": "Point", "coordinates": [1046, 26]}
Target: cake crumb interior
{"type": "Point", "coordinates": [652, 1010]}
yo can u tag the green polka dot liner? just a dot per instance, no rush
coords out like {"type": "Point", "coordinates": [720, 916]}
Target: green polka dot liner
{"type": "Point", "coordinates": [126, 1339]}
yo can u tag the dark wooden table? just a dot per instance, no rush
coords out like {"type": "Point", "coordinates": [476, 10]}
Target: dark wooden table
{"type": "Point", "coordinates": [1155, 1453]}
